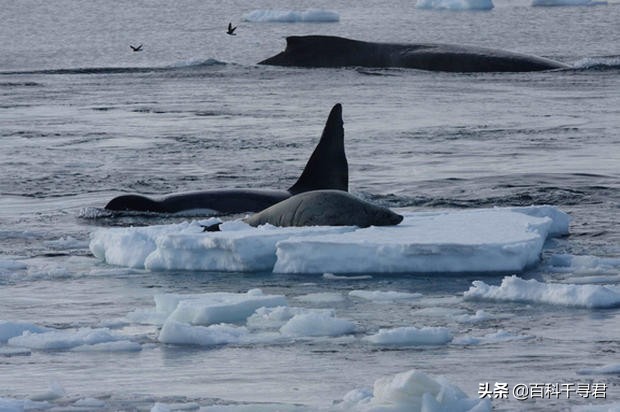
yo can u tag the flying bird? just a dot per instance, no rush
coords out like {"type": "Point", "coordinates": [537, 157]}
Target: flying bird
{"type": "Point", "coordinates": [136, 49]}
{"type": "Point", "coordinates": [231, 29]}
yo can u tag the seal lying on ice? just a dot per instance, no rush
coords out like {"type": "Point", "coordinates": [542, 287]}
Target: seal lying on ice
{"type": "Point", "coordinates": [325, 208]}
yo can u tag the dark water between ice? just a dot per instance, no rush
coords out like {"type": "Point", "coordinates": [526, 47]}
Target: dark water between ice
{"type": "Point", "coordinates": [83, 119]}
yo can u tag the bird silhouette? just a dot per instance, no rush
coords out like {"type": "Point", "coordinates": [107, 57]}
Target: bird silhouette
{"type": "Point", "coordinates": [136, 49]}
{"type": "Point", "coordinates": [231, 29]}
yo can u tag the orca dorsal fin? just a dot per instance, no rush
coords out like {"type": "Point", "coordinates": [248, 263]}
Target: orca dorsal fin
{"type": "Point", "coordinates": [327, 167]}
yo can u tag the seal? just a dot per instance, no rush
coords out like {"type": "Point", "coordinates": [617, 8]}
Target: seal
{"type": "Point", "coordinates": [327, 168]}
{"type": "Point", "coordinates": [325, 208]}
{"type": "Point", "coordinates": [331, 51]}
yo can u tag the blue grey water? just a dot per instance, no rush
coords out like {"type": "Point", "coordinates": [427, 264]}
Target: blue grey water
{"type": "Point", "coordinates": [82, 119]}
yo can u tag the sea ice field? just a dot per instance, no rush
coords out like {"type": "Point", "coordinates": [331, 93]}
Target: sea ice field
{"type": "Point", "coordinates": [500, 289]}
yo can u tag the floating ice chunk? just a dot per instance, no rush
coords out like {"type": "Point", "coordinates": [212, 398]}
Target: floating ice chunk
{"type": "Point", "coordinates": [64, 339]}
{"type": "Point", "coordinates": [90, 403]}
{"type": "Point", "coordinates": [276, 317]}
{"type": "Point", "coordinates": [321, 297]}
{"type": "Point", "coordinates": [584, 265]}
{"type": "Point", "coordinates": [292, 16]}
{"type": "Point", "coordinates": [317, 324]}
{"type": "Point", "coordinates": [117, 346]}
{"type": "Point", "coordinates": [384, 296]}
{"type": "Point", "coordinates": [11, 265]}
{"type": "Point", "coordinates": [147, 317]}
{"type": "Point", "coordinates": [217, 307]}
{"type": "Point", "coordinates": [179, 333]}
{"type": "Point", "coordinates": [9, 330]}
{"type": "Point", "coordinates": [516, 289]}
{"type": "Point", "coordinates": [272, 318]}
{"type": "Point", "coordinates": [21, 405]}
{"type": "Point", "coordinates": [55, 391]}
{"type": "Point", "coordinates": [483, 240]}
{"type": "Point", "coordinates": [244, 249]}
{"type": "Point", "coordinates": [495, 337]}
{"type": "Point", "coordinates": [455, 4]}
{"type": "Point", "coordinates": [553, 3]}
{"type": "Point", "coordinates": [410, 336]}
{"type": "Point", "coordinates": [479, 316]}
{"type": "Point", "coordinates": [184, 246]}
{"type": "Point", "coordinates": [132, 245]}
{"type": "Point", "coordinates": [611, 369]}
{"type": "Point", "coordinates": [9, 351]}
{"type": "Point", "coordinates": [160, 407]}
{"type": "Point", "coordinates": [412, 391]}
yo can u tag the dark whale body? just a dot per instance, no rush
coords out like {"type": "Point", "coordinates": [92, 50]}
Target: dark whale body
{"type": "Point", "coordinates": [330, 51]}
{"type": "Point", "coordinates": [327, 168]}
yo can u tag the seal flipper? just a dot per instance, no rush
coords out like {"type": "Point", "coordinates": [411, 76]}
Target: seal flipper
{"type": "Point", "coordinates": [327, 167]}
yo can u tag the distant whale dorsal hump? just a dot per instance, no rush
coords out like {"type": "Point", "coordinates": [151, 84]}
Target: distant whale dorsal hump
{"type": "Point", "coordinates": [327, 167]}
{"type": "Point", "coordinates": [331, 51]}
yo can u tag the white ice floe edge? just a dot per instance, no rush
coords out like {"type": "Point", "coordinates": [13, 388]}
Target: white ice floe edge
{"type": "Point", "coordinates": [477, 240]}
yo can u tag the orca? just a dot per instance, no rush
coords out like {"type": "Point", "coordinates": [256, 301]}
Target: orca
{"type": "Point", "coordinates": [327, 168]}
{"type": "Point", "coordinates": [331, 51]}
{"type": "Point", "coordinates": [323, 208]}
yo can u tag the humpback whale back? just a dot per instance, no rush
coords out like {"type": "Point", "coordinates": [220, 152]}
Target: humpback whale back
{"type": "Point", "coordinates": [327, 167]}
{"type": "Point", "coordinates": [331, 51]}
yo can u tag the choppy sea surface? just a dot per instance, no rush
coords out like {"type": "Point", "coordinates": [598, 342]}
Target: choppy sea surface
{"type": "Point", "coordinates": [83, 119]}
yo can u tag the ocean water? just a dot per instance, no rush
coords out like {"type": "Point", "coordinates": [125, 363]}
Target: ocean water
{"type": "Point", "coordinates": [83, 119]}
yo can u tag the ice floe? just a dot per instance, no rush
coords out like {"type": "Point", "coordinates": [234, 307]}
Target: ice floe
{"type": "Point", "coordinates": [66, 339]}
{"type": "Point", "coordinates": [8, 265]}
{"type": "Point", "coordinates": [383, 296]}
{"type": "Point", "coordinates": [481, 240]}
{"type": "Point", "coordinates": [479, 316]}
{"type": "Point", "coordinates": [9, 330]}
{"type": "Point", "coordinates": [321, 297]}
{"type": "Point", "coordinates": [317, 324]}
{"type": "Point", "coordinates": [455, 4]}
{"type": "Point", "coordinates": [185, 334]}
{"type": "Point", "coordinates": [216, 307]}
{"type": "Point", "coordinates": [412, 391]}
{"type": "Point", "coordinates": [490, 338]}
{"type": "Point", "coordinates": [585, 269]}
{"type": "Point", "coordinates": [515, 289]}
{"type": "Point", "coordinates": [292, 16]}
{"type": "Point", "coordinates": [411, 336]}
{"type": "Point", "coordinates": [554, 3]}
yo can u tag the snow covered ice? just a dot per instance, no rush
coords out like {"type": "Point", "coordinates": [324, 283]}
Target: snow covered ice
{"type": "Point", "coordinates": [455, 4]}
{"type": "Point", "coordinates": [412, 391]}
{"type": "Point", "coordinates": [292, 16]}
{"type": "Point", "coordinates": [481, 240]}
{"type": "Point", "coordinates": [554, 3]}
{"type": "Point", "coordinates": [516, 289]}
